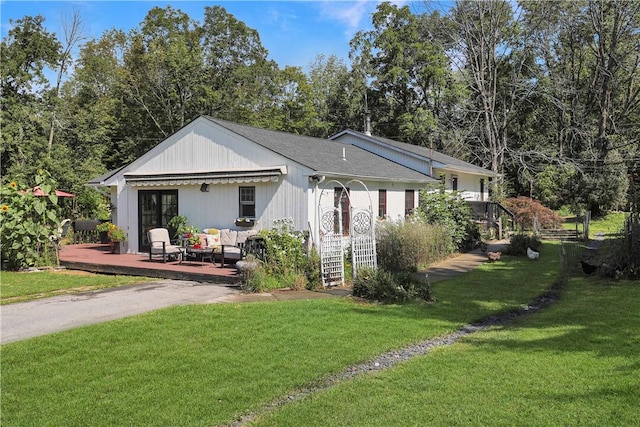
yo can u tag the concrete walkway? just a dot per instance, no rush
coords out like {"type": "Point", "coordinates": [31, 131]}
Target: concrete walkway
{"type": "Point", "coordinates": [48, 315]}
{"type": "Point", "coordinates": [462, 263]}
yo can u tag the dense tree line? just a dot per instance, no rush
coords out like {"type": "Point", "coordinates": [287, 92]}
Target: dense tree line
{"type": "Point", "coordinates": [545, 93]}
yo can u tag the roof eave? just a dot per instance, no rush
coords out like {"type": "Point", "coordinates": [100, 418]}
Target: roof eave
{"type": "Point", "coordinates": [103, 180]}
{"type": "Point", "coordinates": [483, 172]}
{"type": "Point", "coordinates": [425, 180]}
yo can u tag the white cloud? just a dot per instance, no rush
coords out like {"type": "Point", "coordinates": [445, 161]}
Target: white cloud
{"type": "Point", "coordinates": [350, 14]}
{"type": "Point", "coordinates": [353, 15]}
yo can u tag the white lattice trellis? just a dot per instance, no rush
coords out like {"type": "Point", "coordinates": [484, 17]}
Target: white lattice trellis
{"type": "Point", "coordinates": [332, 242]}
{"type": "Point", "coordinates": [363, 241]}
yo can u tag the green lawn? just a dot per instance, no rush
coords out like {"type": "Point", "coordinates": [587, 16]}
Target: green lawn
{"type": "Point", "coordinates": [576, 363]}
{"type": "Point", "coordinates": [611, 224]}
{"type": "Point", "coordinates": [202, 365]}
{"type": "Point", "coordinates": [207, 364]}
{"type": "Point", "coordinates": [25, 286]}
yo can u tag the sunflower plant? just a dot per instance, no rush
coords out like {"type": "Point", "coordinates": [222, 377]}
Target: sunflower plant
{"type": "Point", "coordinates": [27, 224]}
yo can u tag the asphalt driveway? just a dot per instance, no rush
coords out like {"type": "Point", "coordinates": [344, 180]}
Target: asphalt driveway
{"type": "Point", "coordinates": [40, 317]}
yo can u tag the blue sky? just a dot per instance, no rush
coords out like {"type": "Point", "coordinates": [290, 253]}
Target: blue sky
{"type": "Point", "coordinates": [293, 32]}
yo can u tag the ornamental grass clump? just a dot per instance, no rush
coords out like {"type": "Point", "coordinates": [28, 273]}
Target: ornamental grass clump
{"type": "Point", "coordinates": [407, 245]}
{"type": "Point", "coordinates": [403, 247]}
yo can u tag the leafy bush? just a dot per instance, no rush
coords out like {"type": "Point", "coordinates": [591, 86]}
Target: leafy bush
{"type": "Point", "coordinates": [448, 209]}
{"type": "Point", "coordinates": [378, 285]}
{"type": "Point", "coordinates": [286, 264]}
{"type": "Point", "coordinates": [472, 238]}
{"type": "Point", "coordinates": [405, 245]}
{"type": "Point", "coordinates": [284, 248]}
{"type": "Point", "coordinates": [520, 242]}
{"type": "Point", "coordinates": [384, 286]}
{"type": "Point", "coordinates": [313, 271]}
{"type": "Point", "coordinates": [27, 224]}
{"type": "Point", "coordinates": [527, 211]}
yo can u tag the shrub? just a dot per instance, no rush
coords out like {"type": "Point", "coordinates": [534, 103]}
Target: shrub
{"type": "Point", "coordinates": [313, 271]}
{"type": "Point", "coordinates": [285, 263]}
{"type": "Point", "coordinates": [378, 285]}
{"type": "Point", "coordinates": [405, 245]}
{"type": "Point", "coordinates": [473, 237]}
{"type": "Point", "coordinates": [284, 248]}
{"type": "Point", "coordinates": [384, 286]}
{"type": "Point", "coordinates": [527, 211]}
{"type": "Point", "coordinates": [520, 242]}
{"type": "Point", "coordinates": [446, 208]}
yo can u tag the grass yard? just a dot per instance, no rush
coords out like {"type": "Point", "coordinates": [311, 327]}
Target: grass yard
{"type": "Point", "coordinates": [611, 224]}
{"type": "Point", "coordinates": [206, 364]}
{"type": "Point", "coordinates": [576, 363]}
{"type": "Point", "coordinates": [23, 286]}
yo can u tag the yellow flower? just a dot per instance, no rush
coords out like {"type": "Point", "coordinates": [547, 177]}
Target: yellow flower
{"type": "Point", "coordinates": [5, 208]}
{"type": "Point", "coordinates": [13, 184]}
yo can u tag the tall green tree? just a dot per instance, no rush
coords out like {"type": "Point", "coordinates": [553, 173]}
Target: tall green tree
{"type": "Point", "coordinates": [407, 72]}
{"type": "Point", "coordinates": [590, 88]}
{"type": "Point", "coordinates": [27, 51]}
{"type": "Point", "coordinates": [164, 69]}
{"type": "Point", "coordinates": [337, 99]}
{"type": "Point", "coordinates": [237, 70]}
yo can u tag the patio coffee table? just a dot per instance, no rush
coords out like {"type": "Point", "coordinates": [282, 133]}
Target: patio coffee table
{"type": "Point", "coordinates": [192, 253]}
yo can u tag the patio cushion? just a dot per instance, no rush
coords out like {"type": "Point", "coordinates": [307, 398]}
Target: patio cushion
{"type": "Point", "coordinates": [213, 237]}
{"type": "Point", "coordinates": [228, 237]}
{"type": "Point", "coordinates": [160, 244]}
{"type": "Point", "coordinates": [157, 236]}
{"type": "Point", "coordinates": [242, 235]}
{"type": "Point", "coordinates": [230, 252]}
{"type": "Point", "coordinates": [213, 240]}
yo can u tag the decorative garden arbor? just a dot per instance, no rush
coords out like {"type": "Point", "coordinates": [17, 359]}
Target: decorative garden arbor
{"type": "Point", "coordinates": [334, 242]}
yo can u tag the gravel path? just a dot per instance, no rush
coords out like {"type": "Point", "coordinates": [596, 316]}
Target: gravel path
{"type": "Point", "coordinates": [389, 359]}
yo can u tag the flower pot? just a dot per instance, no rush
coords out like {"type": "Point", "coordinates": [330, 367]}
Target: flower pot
{"type": "Point", "coordinates": [247, 223]}
{"type": "Point", "coordinates": [116, 247]}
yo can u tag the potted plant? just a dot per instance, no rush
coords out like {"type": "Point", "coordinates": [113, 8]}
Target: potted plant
{"type": "Point", "coordinates": [191, 234]}
{"type": "Point", "coordinates": [115, 234]}
{"type": "Point", "coordinates": [179, 224]}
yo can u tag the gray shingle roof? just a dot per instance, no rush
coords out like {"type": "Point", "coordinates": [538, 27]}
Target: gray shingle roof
{"type": "Point", "coordinates": [426, 152]}
{"type": "Point", "coordinates": [326, 157]}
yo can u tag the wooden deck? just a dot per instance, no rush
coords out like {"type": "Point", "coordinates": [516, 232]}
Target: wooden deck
{"type": "Point", "coordinates": [97, 258]}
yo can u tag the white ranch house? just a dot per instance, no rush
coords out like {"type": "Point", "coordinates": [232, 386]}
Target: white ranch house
{"type": "Point", "coordinates": [214, 172]}
{"type": "Point", "coordinates": [470, 180]}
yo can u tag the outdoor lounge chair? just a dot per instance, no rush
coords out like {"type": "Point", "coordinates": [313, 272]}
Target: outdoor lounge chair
{"type": "Point", "coordinates": [160, 245]}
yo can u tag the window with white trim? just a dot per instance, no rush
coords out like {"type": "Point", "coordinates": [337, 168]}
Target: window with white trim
{"type": "Point", "coordinates": [247, 198]}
